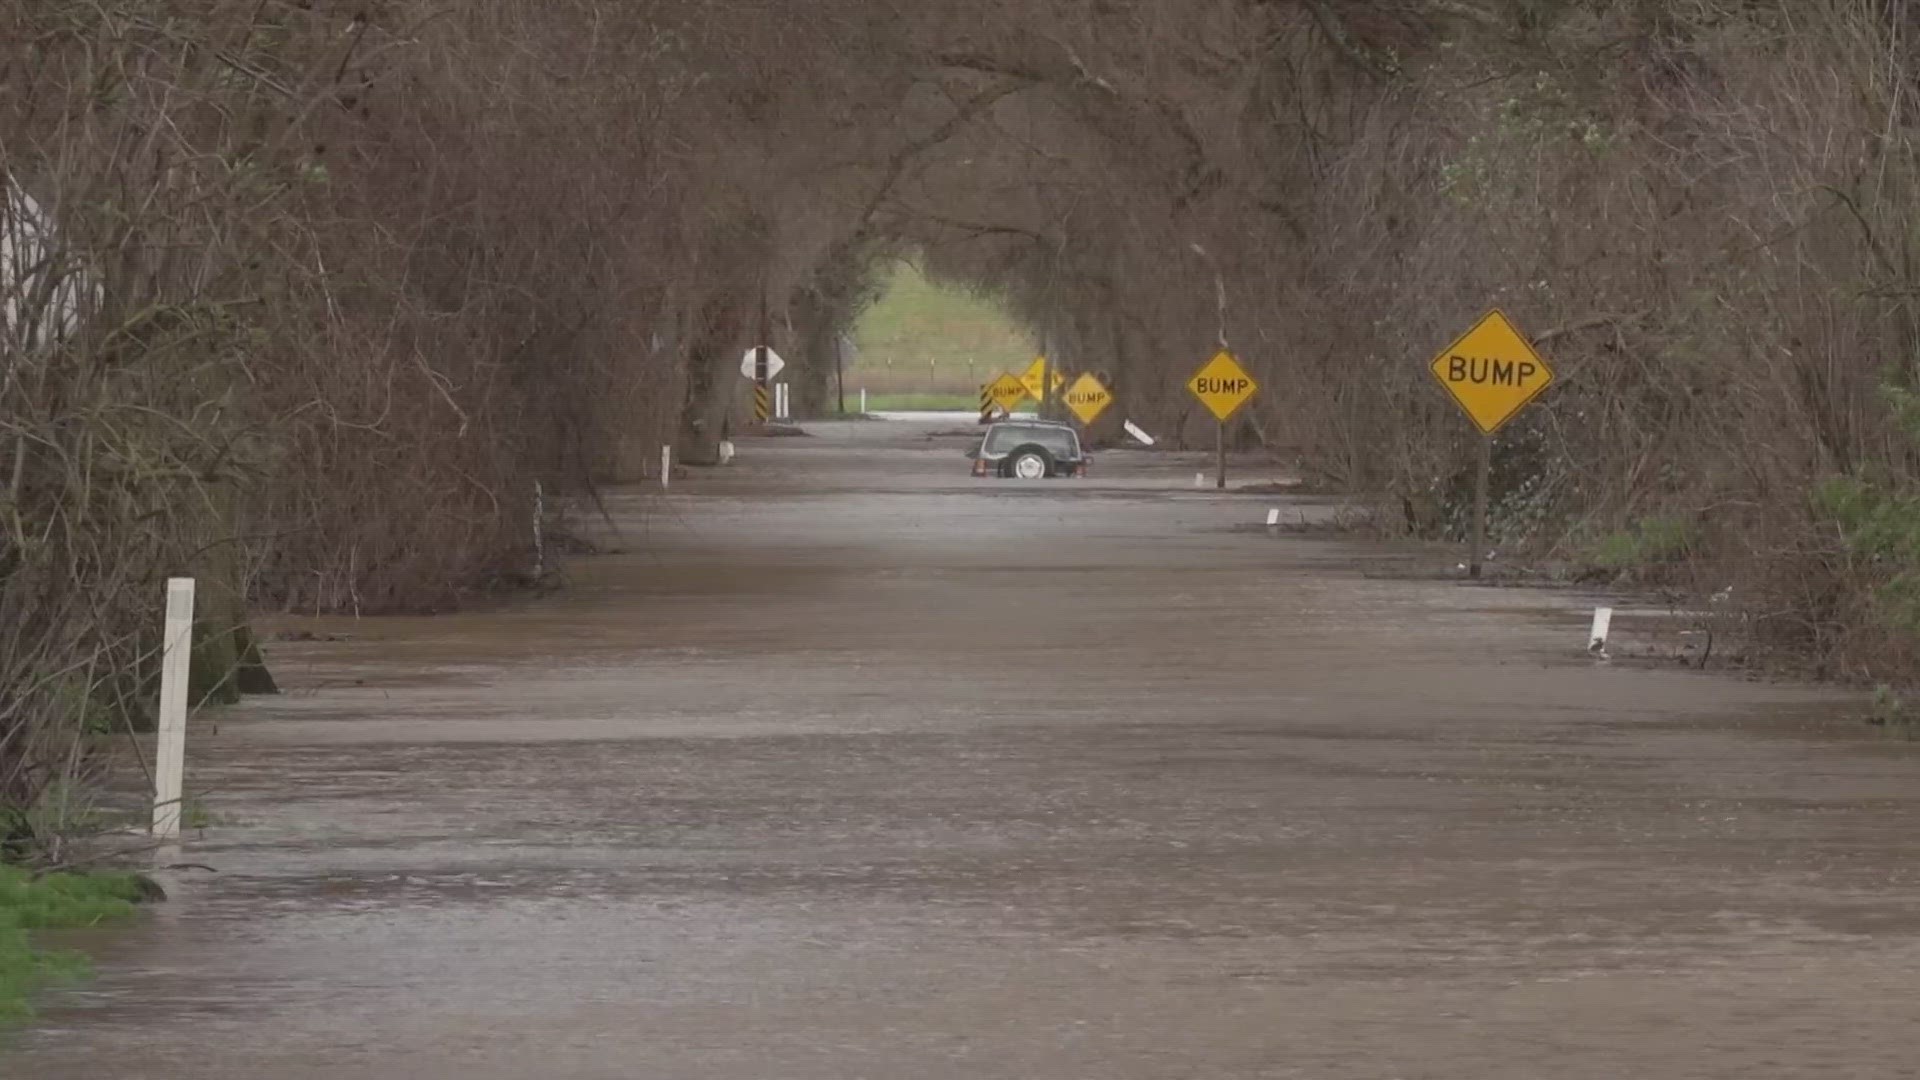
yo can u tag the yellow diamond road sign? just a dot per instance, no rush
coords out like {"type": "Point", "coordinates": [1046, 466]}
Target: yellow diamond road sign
{"type": "Point", "coordinates": [1492, 371]}
{"type": "Point", "coordinates": [1088, 398]}
{"type": "Point", "coordinates": [1031, 380]}
{"type": "Point", "coordinates": [1223, 385]}
{"type": "Point", "coordinates": [1006, 392]}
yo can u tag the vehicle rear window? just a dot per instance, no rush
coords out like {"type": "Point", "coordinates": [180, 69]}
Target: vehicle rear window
{"type": "Point", "coordinates": [1058, 441]}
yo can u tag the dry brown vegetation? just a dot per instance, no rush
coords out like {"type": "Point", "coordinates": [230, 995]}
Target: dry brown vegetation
{"type": "Point", "coordinates": [316, 293]}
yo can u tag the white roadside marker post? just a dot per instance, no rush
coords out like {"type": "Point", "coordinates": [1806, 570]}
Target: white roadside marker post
{"type": "Point", "coordinates": [539, 538]}
{"type": "Point", "coordinates": [1199, 479]}
{"type": "Point", "coordinates": [1273, 517]}
{"type": "Point", "coordinates": [666, 466]}
{"type": "Point", "coordinates": [863, 401]}
{"type": "Point", "coordinates": [1597, 637]}
{"type": "Point", "coordinates": [170, 753]}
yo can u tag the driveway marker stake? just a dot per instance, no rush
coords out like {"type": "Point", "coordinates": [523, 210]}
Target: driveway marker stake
{"type": "Point", "coordinates": [1597, 637]}
{"type": "Point", "coordinates": [170, 753]}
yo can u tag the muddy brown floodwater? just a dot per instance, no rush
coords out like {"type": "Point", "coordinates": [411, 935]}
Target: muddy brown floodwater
{"type": "Point", "coordinates": [847, 765]}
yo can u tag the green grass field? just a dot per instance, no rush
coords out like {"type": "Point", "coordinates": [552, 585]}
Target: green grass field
{"type": "Point", "coordinates": [925, 346]}
{"type": "Point", "coordinates": [917, 402]}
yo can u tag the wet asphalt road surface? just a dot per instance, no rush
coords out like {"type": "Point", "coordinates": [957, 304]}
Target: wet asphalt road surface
{"type": "Point", "coordinates": [846, 765]}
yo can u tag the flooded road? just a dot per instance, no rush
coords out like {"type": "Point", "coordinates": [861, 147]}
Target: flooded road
{"type": "Point", "coordinates": [847, 765]}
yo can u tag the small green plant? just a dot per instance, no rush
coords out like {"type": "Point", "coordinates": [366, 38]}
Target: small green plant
{"type": "Point", "coordinates": [194, 814]}
{"type": "Point", "coordinates": [1542, 114]}
{"type": "Point", "coordinates": [1893, 714]}
{"type": "Point", "coordinates": [1881, 527]}
{"type": "Point", "coordinates": [1878, 522]}
{"type": "Point", "coordinates": [52, 902]}
{"type": "Point", "coordinates": [63, 808]}
{"type": "Point", "coordinates": [1647, 542]}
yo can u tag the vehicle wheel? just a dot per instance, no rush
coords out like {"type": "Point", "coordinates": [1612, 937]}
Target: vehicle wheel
{"type": "Point", "coordinates": [1030, 463]}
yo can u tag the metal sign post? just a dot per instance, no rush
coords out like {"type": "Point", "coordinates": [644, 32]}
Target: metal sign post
{"type": "Point", "coordinates": [1482, 472]}
{"type": "Point", "coordinates": [1220, 455]}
